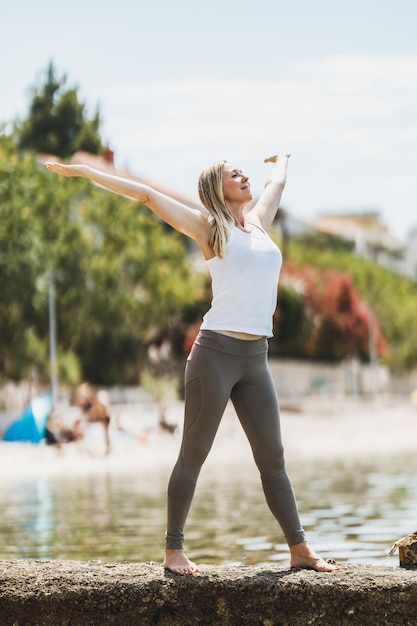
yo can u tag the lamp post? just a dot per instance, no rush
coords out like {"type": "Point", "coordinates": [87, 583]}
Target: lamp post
{"type": "Point", "coordinates": [53, 340]}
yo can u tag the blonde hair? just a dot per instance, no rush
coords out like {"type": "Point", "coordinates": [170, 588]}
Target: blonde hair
{"type": "Point", "coordinates": [210, 189]}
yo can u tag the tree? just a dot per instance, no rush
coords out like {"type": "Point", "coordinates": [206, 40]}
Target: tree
{"type": "Point", "coordinates": [391, 297]}
{"type": "Point", "coordinates": [120, 278]}
{"type": "Point", "coordinates": [57, 122]}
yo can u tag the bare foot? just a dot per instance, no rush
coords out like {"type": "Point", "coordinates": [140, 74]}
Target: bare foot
{"type": "Point", "coordinates": [304, 557]}
{"type": "Point", "coordinates": [177, 562]}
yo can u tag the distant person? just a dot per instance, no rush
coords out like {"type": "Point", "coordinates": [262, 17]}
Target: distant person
{"type": "Point", "coordinates": [95, 406]}
{"type": "Point", "coordinates": [229, 356]}
{"type": "Point", "coordinates": [57, 433]}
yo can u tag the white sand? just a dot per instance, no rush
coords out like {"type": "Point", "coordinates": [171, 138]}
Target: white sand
{"type": "Point", "coordinates": [314, 429]}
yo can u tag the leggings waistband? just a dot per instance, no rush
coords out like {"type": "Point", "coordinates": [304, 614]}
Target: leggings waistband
{"type": "Point", "coordinates": [231, 345]}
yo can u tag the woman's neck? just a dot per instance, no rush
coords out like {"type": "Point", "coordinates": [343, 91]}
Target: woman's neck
{"type": "Point", "coordinates": [238, 216]}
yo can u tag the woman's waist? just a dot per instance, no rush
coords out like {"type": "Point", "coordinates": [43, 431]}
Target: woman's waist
{"type": "Point", "coordinates": [239, 335]}
{"type": "Point", "coordinates": [231, 344]}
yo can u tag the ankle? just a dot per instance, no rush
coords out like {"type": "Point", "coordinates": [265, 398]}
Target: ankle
{"type": "Point", "coordinates": [300, 548]}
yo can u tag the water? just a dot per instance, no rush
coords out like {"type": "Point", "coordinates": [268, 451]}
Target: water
{"type": "Point", "coordinates": [84, 506]}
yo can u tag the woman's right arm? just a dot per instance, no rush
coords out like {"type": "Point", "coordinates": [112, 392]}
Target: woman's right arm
{"type": "Point", "coordinates": [190, 222]}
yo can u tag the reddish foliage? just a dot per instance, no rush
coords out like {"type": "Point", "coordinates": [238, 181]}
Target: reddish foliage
{"type": "Point", "coordinates": [190, 334]}
{"type": "Point", "coordinates": [339, 322]}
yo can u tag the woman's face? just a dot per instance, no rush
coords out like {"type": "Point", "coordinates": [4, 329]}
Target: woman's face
{"type": "Point", "coordinates": [236, 187]}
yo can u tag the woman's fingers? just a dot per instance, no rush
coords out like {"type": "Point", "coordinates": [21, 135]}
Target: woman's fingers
{"type": "Point", "coordinates": [275, 157]}
{"type": "Point", "coordinates": [66, 170]}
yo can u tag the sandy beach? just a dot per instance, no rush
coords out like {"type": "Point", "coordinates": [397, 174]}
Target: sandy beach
{"type": "Point", "coordinates": [315, 429]}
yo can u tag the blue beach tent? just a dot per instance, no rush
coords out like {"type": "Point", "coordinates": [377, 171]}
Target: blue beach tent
{"type": "Point", "coordinates": [30, 426]}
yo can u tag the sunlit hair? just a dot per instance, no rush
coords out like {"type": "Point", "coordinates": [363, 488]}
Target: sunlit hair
{"type": "Point", "coordinates": [210, 189]}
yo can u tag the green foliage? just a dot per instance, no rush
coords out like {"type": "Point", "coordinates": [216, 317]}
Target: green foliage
{"type": "Point", "coordinates": [290, 321]}
{"type": "Point", "coordinates": [120, 278]}
{"type": "Point", "coordinates": [57, 123]}
{"type": "Point", "coordinates": [390, 296]}
{"type": "Point", "coordinates": [325, 241]}
{"type": "Point", "coordinates": [69, 369]}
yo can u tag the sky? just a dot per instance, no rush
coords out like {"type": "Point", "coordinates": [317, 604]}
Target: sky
{"type": "Point", "coordinates": [181, 84]}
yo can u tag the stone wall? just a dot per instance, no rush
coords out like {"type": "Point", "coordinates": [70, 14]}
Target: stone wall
{"type": "Point", "coordinates": [69, 593]}
{"type": "Point", "coordinates": [306, 378]}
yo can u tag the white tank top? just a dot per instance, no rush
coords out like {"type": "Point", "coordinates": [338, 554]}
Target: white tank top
{"type": "Point", "coordinates": [244, 284]}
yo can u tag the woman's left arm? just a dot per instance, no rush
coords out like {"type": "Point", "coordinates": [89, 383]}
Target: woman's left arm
{"type": "Point", "coordinates": [268, 204]}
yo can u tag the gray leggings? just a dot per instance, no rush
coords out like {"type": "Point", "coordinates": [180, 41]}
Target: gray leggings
{"type": "Point", "coordinates": [218, 368]}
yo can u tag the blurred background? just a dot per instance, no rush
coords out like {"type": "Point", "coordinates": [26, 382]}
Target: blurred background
{"type": "Point", "coordinates": [100, 301]}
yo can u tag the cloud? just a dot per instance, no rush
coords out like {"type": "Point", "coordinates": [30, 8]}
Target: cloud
{"type": "Point", "coordinates": [320, 96]}
{"type": "Point", "coordinates": [350, 121]}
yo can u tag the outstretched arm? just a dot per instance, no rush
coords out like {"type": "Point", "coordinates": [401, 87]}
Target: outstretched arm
{"type": "Point", "coordinates": [188, 221]}
{"type": "Point", "coordinates": [268, 203]}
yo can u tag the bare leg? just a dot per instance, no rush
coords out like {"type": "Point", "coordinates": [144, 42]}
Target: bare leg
{"type": "Point", "coordinates": [177, 562]}
{"type": "Point", "coordinates": [304, 557]}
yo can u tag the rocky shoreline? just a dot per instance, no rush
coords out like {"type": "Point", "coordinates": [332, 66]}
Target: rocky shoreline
{"type": "Point", "coordinates": [63, 593]}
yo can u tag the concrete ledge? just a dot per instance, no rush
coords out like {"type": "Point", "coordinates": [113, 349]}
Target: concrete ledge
{"type": "Point", "coordinates": [72, 593]}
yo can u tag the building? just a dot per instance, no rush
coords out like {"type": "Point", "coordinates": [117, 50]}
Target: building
{"type": "Point", "coordinates": [371, 237]}
{"type": "Point", "coordinates": [408, 263]}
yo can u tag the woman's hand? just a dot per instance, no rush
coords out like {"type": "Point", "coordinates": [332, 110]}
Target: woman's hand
{"type": "Point", "coordinates": [275, 157]}
{"type": "Point", "coordinates": [68, 170]}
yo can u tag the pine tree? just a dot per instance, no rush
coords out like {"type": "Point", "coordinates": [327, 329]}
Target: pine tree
{"type": "Point", "coordinates": [57, 122]}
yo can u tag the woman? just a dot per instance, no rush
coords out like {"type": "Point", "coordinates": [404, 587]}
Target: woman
{"type": "Point", "coordinates": [229, 356]}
